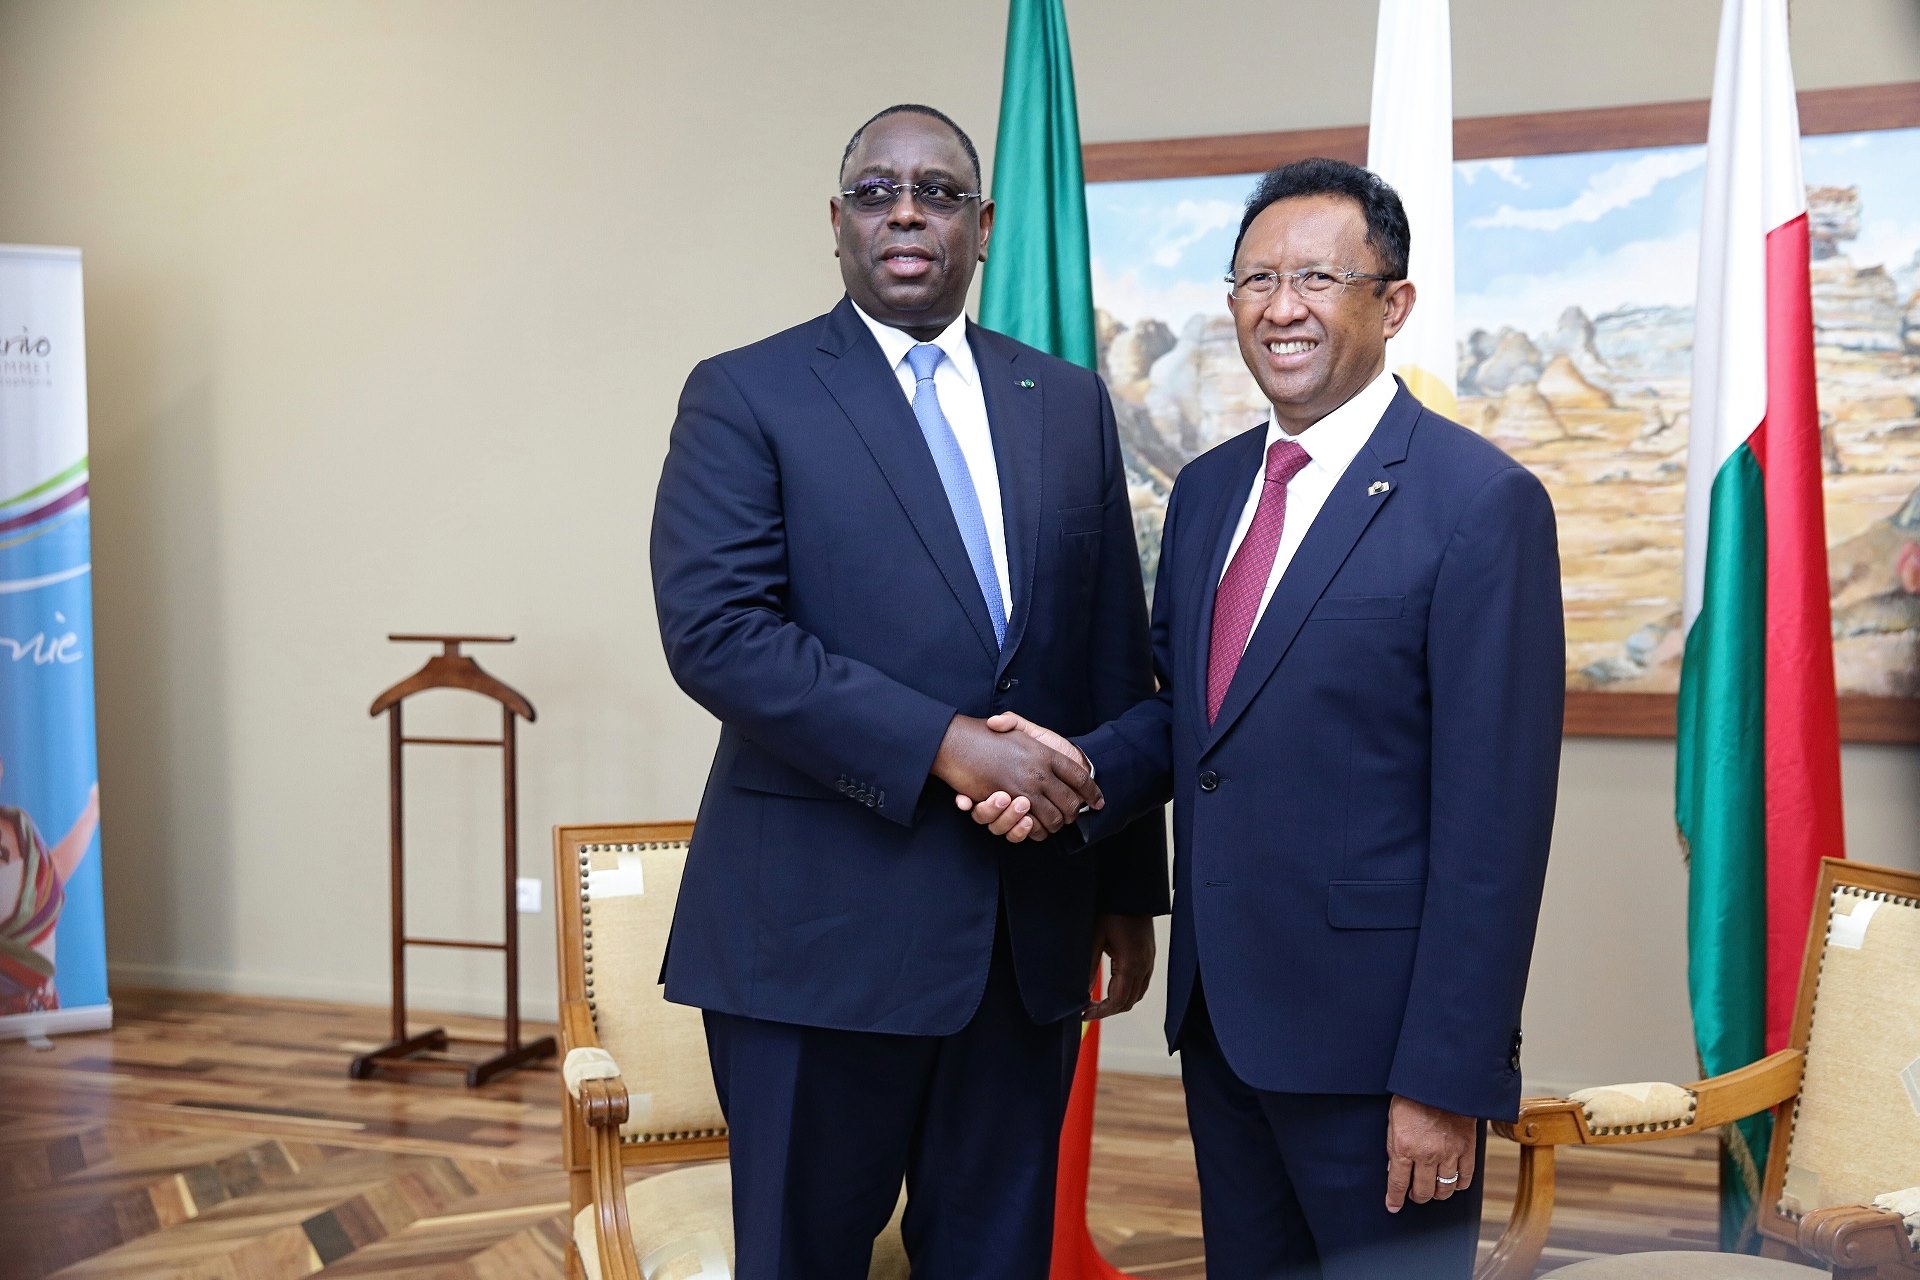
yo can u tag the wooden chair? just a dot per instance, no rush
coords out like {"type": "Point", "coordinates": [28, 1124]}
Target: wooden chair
{"type": "Point", "coordinates": [638, 1090]}
{"type": "Point", "coordinates": [1845, 1096]}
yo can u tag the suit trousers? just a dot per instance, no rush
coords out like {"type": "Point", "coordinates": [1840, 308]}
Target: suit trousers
{"type": "Point", "coordinates": [826, 1124]}
{"type": "Point", "coordinates": [1293, 1186]}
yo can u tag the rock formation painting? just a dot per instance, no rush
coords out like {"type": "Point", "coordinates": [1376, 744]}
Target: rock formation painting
{"type": "Point", "coordinates": [1574, 295]}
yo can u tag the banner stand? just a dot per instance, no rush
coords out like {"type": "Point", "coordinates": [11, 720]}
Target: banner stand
{"type": "Point", "coordinates": [53, 961]}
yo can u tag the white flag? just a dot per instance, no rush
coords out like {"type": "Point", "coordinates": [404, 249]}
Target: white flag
{"type": "Point", "coordinates": [1410, 144]}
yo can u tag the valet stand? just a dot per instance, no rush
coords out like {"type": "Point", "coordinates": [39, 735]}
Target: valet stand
{"type": "Point", "coordinates": [451, 669]}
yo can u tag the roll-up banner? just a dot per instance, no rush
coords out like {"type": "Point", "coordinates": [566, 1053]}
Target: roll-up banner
{"type": "Point", "coordinates": [53, 955]}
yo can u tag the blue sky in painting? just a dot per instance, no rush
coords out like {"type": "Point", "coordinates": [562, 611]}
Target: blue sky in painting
{"type": "Point", "coordinates": [1886, 168]}
{"type": "Point", "coordinates": [1160, 247]}
{"type": "Point", "coordinates": [1535, 234]}
{"type": "Point", "coordinates": [1603, 229]}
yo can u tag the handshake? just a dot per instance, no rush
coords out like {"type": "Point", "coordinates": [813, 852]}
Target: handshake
{"type": "Point", "coordinates": [1019, 780]}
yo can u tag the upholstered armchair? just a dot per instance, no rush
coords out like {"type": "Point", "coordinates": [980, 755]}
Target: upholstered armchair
{"type": "Point", "coordinates": [638, 1090]}
{"type": "Point", "coordinates": [1842, 1183]}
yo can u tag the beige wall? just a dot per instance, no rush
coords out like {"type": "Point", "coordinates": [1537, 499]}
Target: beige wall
{"type": "Point", "coordinates": [389, 305]}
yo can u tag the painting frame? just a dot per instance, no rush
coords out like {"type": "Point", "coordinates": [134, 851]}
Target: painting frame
{"type": "Point", "coordinates": [1590, 713]}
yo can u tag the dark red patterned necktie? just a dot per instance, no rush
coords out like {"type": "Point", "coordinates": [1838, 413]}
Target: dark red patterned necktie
{"type": "Point", "coordinates": [1237, 601]}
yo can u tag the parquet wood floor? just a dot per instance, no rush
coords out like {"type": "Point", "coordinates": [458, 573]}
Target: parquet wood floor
{"type": "Point", "coordinates": [219, 1137]}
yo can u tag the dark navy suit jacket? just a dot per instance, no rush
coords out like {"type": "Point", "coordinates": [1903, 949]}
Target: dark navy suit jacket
{"type": "Point", "coordinates": [814, 594]}
{"type": "Point", "coordinates": [1361, 838]}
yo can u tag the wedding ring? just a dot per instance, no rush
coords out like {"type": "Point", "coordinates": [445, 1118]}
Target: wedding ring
{"type": "Point", "coordinates": [1447, 1182]}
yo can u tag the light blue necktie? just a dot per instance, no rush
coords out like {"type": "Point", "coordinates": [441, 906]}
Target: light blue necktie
{"type": "Point", "coordinates": [957, 480]}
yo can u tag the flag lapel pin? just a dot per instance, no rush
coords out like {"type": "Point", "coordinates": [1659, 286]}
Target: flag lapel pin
{"type": "Point", "coordinates": [1377, 488]}
{"type": "Point", "coordinates": [1026, 384]}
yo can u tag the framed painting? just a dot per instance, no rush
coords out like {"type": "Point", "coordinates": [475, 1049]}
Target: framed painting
{"type": "Point", "coordinates": [1576, 245]}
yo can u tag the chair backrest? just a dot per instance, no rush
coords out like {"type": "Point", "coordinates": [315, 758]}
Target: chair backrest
{"type": "Point", "coordinates": [1854, 1131]}
{"type": "Point", "coordinates": [616, 886]}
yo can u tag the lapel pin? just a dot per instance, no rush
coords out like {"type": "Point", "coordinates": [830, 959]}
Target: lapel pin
{"type": "Point", "coordinates": [1377, 488]}
{"type": "Point", "coordinates": [1027, 383]}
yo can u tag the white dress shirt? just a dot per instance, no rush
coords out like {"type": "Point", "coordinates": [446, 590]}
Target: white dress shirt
{"type": "Point", "coordinates": [1331, 444]}
{"type": "Point", "coordinates": [956, 381]}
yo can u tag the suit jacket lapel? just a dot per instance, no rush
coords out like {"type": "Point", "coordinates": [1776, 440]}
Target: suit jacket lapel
{"type": "Point", "coordinates": [1357, 497]}
{"type": "Point", "coordinates": [1015, 415]}
{"type": "Point", "coordinates": [849, 363]}
{"type": "Point", "coordinates": [1215, 532]}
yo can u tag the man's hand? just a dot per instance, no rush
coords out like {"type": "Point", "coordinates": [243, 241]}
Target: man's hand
{"type": "Point", "coordinates": [978, 762]}
{"type": "Point", "coordinates": [1010, 815]}
{"type": "Point", "coordinates": [1128, 940]}
{"type": "Point", "coordinates": [1425, 1148]}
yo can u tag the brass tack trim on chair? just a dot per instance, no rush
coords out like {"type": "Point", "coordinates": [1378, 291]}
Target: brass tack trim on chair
{"type": "Point", "coordinates": [1780, 1206]}
{"type": "Point", "coordinates": [1878, 895]}
{"type": "Point", "coordinates": [586, 915]}
{"type": "Point", "coordinates": [681, 1136]}
{"type": "Point", "coordinates": [1659, 1127]}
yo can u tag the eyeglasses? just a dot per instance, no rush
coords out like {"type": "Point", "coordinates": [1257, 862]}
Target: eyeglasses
{"type": "Point", "coordinates": [936, 196]}
{"type": "Point", "coordinates": [1308, 282]}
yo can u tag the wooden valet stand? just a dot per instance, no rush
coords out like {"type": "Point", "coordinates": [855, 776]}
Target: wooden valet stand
{"type": "Point", "coordinates": [427, 1050]}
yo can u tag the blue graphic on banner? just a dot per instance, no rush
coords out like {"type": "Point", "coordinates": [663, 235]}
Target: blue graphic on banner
{"type": "Point", "coordinates": [47, 751]}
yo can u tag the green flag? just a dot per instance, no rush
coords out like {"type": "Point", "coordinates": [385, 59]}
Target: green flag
{"type": "Point", "coordinates": [1038, 285]}
{"type": "Point", "coordinates": [1039, 289]}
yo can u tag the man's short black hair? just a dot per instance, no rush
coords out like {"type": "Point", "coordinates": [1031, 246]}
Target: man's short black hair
{"type": "Point", "coordinates": [915, 108]}
{"type": "Point", "coordinates": [1387, 229]}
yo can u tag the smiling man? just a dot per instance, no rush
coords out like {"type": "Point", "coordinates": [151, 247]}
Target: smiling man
{"type": "Point", "coordinates": [873, 531]}
{"type": "Point", "coordinates": [1358, 638]}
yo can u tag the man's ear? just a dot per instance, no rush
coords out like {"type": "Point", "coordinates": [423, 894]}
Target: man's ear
{"type": "Point", "coordinates": [986, 227]}
{"type": "Point", "coordinates": [1397, 306]}
{"type": "Point", "coordinates": [833, 219]}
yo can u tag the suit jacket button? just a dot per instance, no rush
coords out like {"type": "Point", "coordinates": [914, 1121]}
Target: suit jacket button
{"type": "Point", "coordinates": [1006, 684]}
{"type": "Point", "coordinates": [1209, 780]}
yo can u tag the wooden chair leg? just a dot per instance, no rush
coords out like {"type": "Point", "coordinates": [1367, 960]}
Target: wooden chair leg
{"type": "Point", "coordinates": [1518, 1250]}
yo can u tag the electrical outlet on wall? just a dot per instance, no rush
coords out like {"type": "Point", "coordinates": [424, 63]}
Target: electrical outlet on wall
{"type": "Point", "coordinates": [526, 895]}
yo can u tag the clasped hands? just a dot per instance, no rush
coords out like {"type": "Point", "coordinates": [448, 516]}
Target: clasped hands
{"type": "Point", "coordinates": [1024, 785]}
{"type": "Point", "coordinates": [1012, 808]}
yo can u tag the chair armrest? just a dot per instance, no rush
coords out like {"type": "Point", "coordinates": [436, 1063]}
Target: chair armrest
{"type": "Point", "coordinates": [589, 1063]}
{"type": "Point", "coordinates": [603, 1105]}
{"type": "Point", "coordinates": [1863, 1236]}
{"type": "Point", "coordinates": [576, 1026]}
{"type": "Point", "coordinates": [1643, 1113]}
{"type": "Point", "coordinates": [1632, 1113]}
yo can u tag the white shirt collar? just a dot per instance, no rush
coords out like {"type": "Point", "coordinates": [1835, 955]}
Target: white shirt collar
{"type": "Point", "coordinates": [895, 343]}
{"type": "Point", "coordinates": [1333, 441]}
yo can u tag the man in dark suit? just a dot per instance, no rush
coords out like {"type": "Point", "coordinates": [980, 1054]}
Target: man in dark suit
{"type": "Point", "coordinates": [873, 531]}
{"type": "Point", "coordinates": [1358, 637]}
